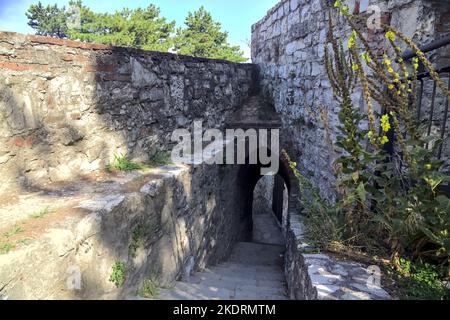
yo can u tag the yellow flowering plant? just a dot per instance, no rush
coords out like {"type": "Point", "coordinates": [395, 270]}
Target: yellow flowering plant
{"type": "Point", "coordinates": [393, 195]}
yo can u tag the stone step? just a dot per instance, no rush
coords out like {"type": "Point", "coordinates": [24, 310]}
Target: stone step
{"type": "Point", "coordinates": [233, 281]}
{"type": "Point", "coordinates": [194, 294]}
{"type": "Point", "coordinates": [246, 272]}
{"type": "Point", "coordinates": [247, 266]}
{"type": "Point", "coordinates": [257, 254]}
{"type": "Point", "coordinates": [212, 291]}
{"type": "Point", "coordinates": [254, 272]}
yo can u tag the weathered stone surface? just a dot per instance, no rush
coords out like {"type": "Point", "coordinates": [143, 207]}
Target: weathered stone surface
{"type": "Point", "coordinates": [336, 280]}
{"type": "Point", "coordinates": [321, 276]}
{"type": "Point", "coordinates": [299, 283]}
{"type": "Point", "coordinates": [92, 223]}
{"type": "Point", "coordinates": [252, 273]}
{"type": "Point", "coordinates": [288, 47]}
{"type": "Point", "coordinates": [74, 105]}
{"type": "Point", "coordinates": [293, 76]}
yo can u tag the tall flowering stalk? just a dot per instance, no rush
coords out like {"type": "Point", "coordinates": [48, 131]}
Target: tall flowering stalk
{"type": "Point", "coordinates": [397, 198]}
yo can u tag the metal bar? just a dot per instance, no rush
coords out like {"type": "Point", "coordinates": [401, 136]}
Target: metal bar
{"type": "Point", "coordinates": [444, 124]}
{"type": "Point", "coordinates": [427, 74]}
{"type": "Point", "coordinates": [419, 107]}
{"type": "Point", "coordinates": [433, 100]}
{"type": "Point", "coordinates": [445, 189]}
{"type": "Point", "coordinates": [428, 47]}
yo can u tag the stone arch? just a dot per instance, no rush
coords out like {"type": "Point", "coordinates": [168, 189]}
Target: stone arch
{"type": "Point", "coordinates": [247, 178]}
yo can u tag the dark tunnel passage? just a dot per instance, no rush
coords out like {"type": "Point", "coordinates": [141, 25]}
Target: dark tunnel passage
{"type": "Point", "coordinates": [249, 176]}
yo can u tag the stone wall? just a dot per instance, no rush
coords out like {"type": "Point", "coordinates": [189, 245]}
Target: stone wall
{"type": "Point", "coordinates": [163, 225]}
{"type": "Point", "coordinates": [263, 196]}
{"type": "Point", "coordinates": [299, 283]}
{"type": "Point", "coordinates": [67, 107]}
{"type": "Point", "coordinates": [288, 46]}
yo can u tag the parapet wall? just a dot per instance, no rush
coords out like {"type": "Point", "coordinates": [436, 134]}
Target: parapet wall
{"type": "Point", "coordinates": [162, 225]}
{"type": "Point", "coordinates": [67, 107]}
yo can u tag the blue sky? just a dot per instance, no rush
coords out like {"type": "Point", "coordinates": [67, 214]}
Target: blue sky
{"type": "Point", "coordinates": [236, 16]}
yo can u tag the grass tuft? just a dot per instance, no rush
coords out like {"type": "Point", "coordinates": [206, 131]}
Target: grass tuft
{"type": "Point", "coordinates": [149, 288]}
{"type": "Point", "coordinates": [5, 247]}
{"type": "Point", "coordinates": [41, 214]}
{"type": "Point", "coordinates": [122, 163]}
{"type": "Point", "coordinates": [137, 239]}
{"type": "Point", "coordinates": [14, 231]}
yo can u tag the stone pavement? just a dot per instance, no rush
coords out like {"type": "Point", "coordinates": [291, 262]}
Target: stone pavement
{"type": "Point", "coordinates": [266, 230]}
{"type": "Point", "coordinates": [253, 272]}
{"type": "Point", "coordinates": [344, 280]}
{"type": "Point", "coordinates": [334, 278]}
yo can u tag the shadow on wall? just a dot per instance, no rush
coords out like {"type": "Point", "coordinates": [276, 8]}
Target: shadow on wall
{"type": "Point", "coordinates": [39, 146]}
{"type": "Point", "coordinates": [66, 108]}
{"type": "Point", "coordinates": [69, 106]}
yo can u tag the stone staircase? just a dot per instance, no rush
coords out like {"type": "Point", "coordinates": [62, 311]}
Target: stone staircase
{"type": "Point", "coordinates": [253, 272]}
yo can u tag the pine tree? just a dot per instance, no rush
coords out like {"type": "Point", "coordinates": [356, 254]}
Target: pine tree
{"type": "Point", "coordinates": [203, 37]}
{"type": "Point", "coordinates": [47, 21]}
{"type": "Point", "coordinates": [138, 28]}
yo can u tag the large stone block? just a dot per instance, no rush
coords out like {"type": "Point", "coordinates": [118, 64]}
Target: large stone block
{"type": "Point", "coordinates": [72, 100]}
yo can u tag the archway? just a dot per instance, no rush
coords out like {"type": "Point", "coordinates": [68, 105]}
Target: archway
{"type": "Point", "coordinates": [270, 198]}
{"type": "Point", "coordinates": [284, 195]}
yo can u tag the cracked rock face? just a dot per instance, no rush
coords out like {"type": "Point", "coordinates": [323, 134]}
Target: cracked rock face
{"type": "Point", "coordinates": [288, 47]}
{"type": "Point", "coordinates": [66, 109]}
{"type": "Point", "coordinates": [158, 227]}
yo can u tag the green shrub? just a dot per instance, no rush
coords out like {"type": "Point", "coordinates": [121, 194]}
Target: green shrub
{"type": "Point", "coordinates": [122, 163]}
{"type": "Point", "coordinates": [148, 289]}
{"type": "Point", "coordinates": [323, 223]}
{"type": "Point", "coordinates": [421, 281]}
{"type": "Point", "coordinates": [118, 273]}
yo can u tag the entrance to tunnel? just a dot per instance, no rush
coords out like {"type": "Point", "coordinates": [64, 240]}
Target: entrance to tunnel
{"type": "Point", "coordinates": [269, 210]}
{"type": "Point", "coordinates": [265, 202]}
